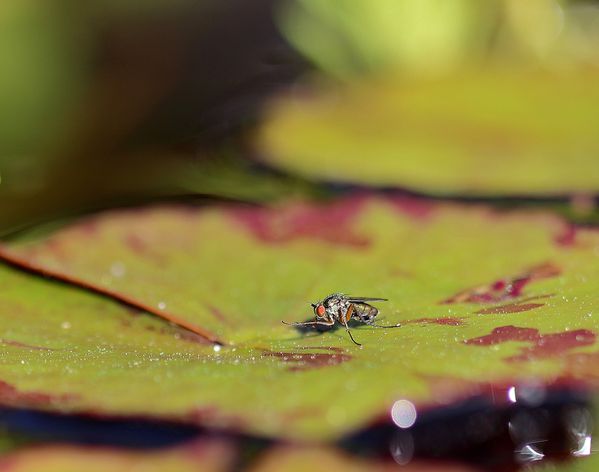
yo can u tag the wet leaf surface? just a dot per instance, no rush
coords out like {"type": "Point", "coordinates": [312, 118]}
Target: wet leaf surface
{"type": "Point", "coordinates": [485, 298]}
{"type": "Point", "coordinates": [484, 133]}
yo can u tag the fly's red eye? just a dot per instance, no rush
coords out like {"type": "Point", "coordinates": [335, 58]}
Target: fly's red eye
{"type": "Point", "coordinates": [320, 310]}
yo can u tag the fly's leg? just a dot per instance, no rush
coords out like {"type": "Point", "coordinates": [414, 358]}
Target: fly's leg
{"type": "Point", "coordinates": [350, 335]}
{"type": "Point", "coordinates": [371, 323]}
{"type": "Point", "coordinates": [344, 318]}
{"type": "Point", "coordinates": [310, 323]}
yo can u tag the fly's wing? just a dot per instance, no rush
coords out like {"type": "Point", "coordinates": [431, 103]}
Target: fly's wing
{"type": "Point", "coordinates": [364, 311]}
{"type": "Point", "coordinates": [365, 299]}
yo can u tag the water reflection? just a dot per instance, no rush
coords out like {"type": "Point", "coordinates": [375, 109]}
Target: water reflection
{"type": "Point", "coordinates": [580, 423]}
{"type": "Point", "coordinates": [504, 429]}
{"type": "Point", "coordinates": [528, 453]}
{"type": "Point", "coordinates": [403, 413]}
{"type": "Point", "coordinates": [530, 393]}
{"type": "Point", "coordinates": [402, 448]}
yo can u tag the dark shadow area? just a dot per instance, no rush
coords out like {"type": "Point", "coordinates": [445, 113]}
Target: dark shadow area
{"type": "Point", "coordinates": [487, 430]}
{"type": "Point", "coordinates": [81, 429]}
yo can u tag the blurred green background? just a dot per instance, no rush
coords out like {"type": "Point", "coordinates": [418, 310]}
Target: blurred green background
{"type": "Point", "coordinates": [111, 103]}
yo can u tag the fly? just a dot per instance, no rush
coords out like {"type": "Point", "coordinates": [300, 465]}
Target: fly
{"type": "Point", "coordinates": [342, 308]}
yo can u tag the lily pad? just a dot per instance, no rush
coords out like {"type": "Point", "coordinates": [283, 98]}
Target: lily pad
{"type": "Point", "coordinates": [481, 133]}
{"type": "Point", "coordinates": [485, 298]}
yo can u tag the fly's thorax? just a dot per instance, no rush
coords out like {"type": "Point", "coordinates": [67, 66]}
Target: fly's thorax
{"type": "Point", "coordinates": [335, 304]}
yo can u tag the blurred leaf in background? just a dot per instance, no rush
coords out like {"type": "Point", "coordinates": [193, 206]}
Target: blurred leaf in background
{"type": "Point", "coordinates": [462, 98]}
{"type": "Point", "coordinates": [477, 132]}
{"type": "Point", "coordinates": [436, 36]}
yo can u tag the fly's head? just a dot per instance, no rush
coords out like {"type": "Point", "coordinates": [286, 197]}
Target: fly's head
{"type": "Point", "coordinates": [330, 306]}
{"type": "Point", "coordinates": [319, 310]}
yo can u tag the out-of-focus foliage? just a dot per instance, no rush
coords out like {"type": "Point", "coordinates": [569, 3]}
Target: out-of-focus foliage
{"type": "Point", "coordinates": [50, 52]}
{"type": "Point", "coordinates": [492, 98]}
{"type": "Point", "coordinates": [491, 132]}
{"type": "Point", "coordinates": [42, 72]}
{"type": "Point", "coordinates": [431, 36]}
{"type": "Point", "coordinates": [108, 103]}
{"type": "Point", "coordinates": [204, 456]}
{"type": "Point", "coordinates": [197, 456]}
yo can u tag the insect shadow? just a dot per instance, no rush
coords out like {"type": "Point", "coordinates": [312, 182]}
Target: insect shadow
{"type": "Point", "coordinates": [325, 329]}
{"type": "Point", "coordinates": [315, 328]}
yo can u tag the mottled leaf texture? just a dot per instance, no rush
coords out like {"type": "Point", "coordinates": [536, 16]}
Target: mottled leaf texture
{"type": "Point", "coordinates": [486, 299]}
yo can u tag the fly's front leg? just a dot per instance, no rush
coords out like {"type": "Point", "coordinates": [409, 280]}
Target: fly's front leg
{"type": "Point", "coordinates": [311, 323]}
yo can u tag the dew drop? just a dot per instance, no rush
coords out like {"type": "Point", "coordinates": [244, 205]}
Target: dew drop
{"type": "Point", "coordinates": [117, 269]}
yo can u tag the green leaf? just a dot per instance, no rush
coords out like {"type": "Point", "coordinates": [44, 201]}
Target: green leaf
{"type": "Point", "coordinates": [483, 133]}
{"type": "Point", "coordinates": [484, 298]}
{"type": "Point", "coordinates": [362, 36]}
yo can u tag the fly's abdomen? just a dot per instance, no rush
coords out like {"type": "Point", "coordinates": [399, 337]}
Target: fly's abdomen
{"type": "Point", "coordinates": [364, 312]}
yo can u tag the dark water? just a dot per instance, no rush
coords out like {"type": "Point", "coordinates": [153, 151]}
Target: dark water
{"type": "Point", "coordinates": [505, 429]}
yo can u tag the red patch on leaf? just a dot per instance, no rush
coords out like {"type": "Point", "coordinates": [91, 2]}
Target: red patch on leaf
{"type": "Point", "coordinates": [567, 237]}
{"type": "Point", "coordinates": [10, 396]}
{"type": "Point", "coordinates": [218, 314]}
{"type": "Point", "coordinates": [323, 348]}
{"type": "Point", "coordinates": [215, 417]}
{"type": "Point", "coordinates": [331, 223]}
{"type": "Point", "coordinates": [542, 345]}
{"type": "Point", "coordinates": [449, 321]}
{"type": "Point", "coordinates": [447, 390]}
{"type": "Point", "coordinates": [511, 308]}
{"type": "Point", "coordinates": [136, 244]}
{"type": "Point", "coordinates": [305, 361]}
{"type": "Point", "coordinates": [89, 227]}
{"type": "Point", "coordinates": [414, 207]}
{"type": "Point", "coordinates": [504, 289]}
{"type": "Point", "coordinates": [504, 334]}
